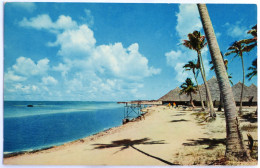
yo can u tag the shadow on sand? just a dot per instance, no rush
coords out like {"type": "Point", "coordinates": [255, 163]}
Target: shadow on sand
{"type": "Point", "coordinates": [181, 120]}
{"type": "Point", "coordinates": [179, 115]}
{"type": "Point", "coordinates": [250, 117]}
{"type": "Point", "coordinates": [212, 143]}
{"type": "Point", "coordinates": [127, 143]}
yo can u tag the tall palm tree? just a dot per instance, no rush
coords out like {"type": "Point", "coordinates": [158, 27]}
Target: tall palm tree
{"type": "Point", "coordinates": [238, 48]}
{"type": "Point", "coordinates": [234, 141]}
{"type": "Point", "coordinates": [197, 42]}
{"type": "Point", "coordinates": [253, 70]}
{"type": "Point", "coordinates": [229, 77]}
{"type": "Point", "coordinates": [188, 88]}
{"type": "Point", "coordinates": [192, 66]}
{"type": "Point", "coordinates": [226, 66]}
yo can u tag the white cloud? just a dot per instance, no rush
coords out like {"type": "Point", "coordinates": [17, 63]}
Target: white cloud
{"type": "Point", "coordinates": [236, 30]}
{"type": "Point", "coordinates": [39, 22]}
{"type": "Point", "coordinates": [11, 76]}
{"type": "Point", "coordinates": [25, 88]}
{"type": "Point", "coordinates": [173, 56]}
{"type": "Point", "coordinates": [26, 67]}
{"type": "Point", "coordinates": [187, 20]}
{"type": "Point", "coordinates": [88, 18]}
{"type": "Point", "coordinates": [79, 49]}
{"type": "Point", "coordinates": [88, 71]}
{"type": "Point", "coordinates": [75, 43]}
{"type": "Point", "coordinates": [22, 77]}
{"type": "Point", "coordinates": [44, 22]}
{"type": "Point", "coordinates": [62, 68]}
{"type": "Point", "coordinates": [177, 59]}
{"type": "Point", "coordinates": [49, 80]}
{"type": "Point", "coordinates": [65, 22]}
{"type": "Point", "coordinates": [124, 63]}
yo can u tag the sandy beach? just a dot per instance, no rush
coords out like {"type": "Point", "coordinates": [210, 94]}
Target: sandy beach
{"type": "Point", "coordinates": [166, 136]}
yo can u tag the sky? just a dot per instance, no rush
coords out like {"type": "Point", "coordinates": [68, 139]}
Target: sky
{"type": "Point", "coordinates": [112, 51]}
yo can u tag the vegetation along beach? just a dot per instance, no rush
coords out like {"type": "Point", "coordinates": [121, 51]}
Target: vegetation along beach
{"type": "Point", "coordinates": [130, 84]}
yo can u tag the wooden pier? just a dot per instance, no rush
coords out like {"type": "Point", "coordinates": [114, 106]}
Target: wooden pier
{"type": "Point", "coordinates": [133, 109]}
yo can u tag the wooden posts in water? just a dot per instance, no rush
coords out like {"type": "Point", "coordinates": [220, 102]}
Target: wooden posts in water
{"type": "Point", "coordinates": [132, 111]}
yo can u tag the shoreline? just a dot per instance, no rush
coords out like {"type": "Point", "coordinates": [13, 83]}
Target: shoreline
{"type": "Point", "coordinates": [166, 136]}
{"type": "Point", "coordinates": [88, 138]}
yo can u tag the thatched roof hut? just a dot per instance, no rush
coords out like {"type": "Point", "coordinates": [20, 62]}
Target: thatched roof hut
{"type": "Point", "coordinates": [174, 95]}
{"type": "Point", "coordinates": [250, 93]}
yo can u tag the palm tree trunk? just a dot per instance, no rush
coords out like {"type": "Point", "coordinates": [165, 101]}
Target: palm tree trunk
{"type": "Point", "coordinates": [191, 101]}
{"type": "Point", "coordinates": [202, 65]}
{"type": "Point", "coordinates": [220, 102]}
{"type": "Point", "coordinates": [202, 104]}
{"type": "Point", "coordinates": [211, 107]}
{"type": "Point", "coordinates": [234, 142]}
{"type": "Point", "coordinates": [242, 90]}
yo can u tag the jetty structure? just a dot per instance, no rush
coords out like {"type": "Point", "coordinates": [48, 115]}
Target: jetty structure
{"type": "Point", "coordinates": [249, 95]}
{"type": "Point", "coordinates": [133, 109]}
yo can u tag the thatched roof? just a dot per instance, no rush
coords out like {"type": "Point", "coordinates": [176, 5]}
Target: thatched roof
{"type": "Point", "coordinates": [249, 92]}
{"type": "Point", "coordinates": [175, 95]}
{"type": "Point", "coordinates": [214, 90]}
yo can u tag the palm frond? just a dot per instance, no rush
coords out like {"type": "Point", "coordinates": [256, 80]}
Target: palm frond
{"type": "Point", "coordinates": [230, 52]}
{"type": "Point", "coordinates": [251, 75]}
{"type": "Point", "coordinates": [188, 87]}
{"type": "Point", "coordinates": [253, 69]}
{"type": "Point", "coordinates": [249, 47]}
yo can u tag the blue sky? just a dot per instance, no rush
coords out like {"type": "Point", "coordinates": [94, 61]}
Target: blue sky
{"type": "Point", "coordinates": [111, 52]}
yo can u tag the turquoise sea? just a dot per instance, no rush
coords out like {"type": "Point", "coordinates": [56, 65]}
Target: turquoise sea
{"type": "Point", "coordinates": [50, 123]}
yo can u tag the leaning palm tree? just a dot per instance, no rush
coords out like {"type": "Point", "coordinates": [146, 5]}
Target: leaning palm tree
{"type": "Point", "coordinates": [229, 77]}
{"type": "Point", "coordinates": [188, 88]}
{"type": "Point", "coordinates": [238, 48]}
{"type": "Point", "coordinates": [226, 66]}
{"type": "Point", "coordinates": [197, 42]}
{"type": "Point", "coordinates": [253, 70]}
{"type": "Point", "coordinates": [192, 66]}
{"type": "Point", "coordinates": [234, 141]}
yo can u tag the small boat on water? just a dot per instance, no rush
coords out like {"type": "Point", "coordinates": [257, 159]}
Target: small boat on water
{"type": "Point", "coordinates": [29, 105]}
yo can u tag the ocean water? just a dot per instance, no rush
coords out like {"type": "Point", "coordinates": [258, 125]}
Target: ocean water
{"type": "Point", "coordinates": [50, 123]}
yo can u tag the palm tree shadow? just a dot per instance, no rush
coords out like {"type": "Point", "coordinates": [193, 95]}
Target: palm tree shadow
{"type": "Point", "coordinates": [179, 115]}
{"type": "Point", "coordinates": [212, 143]}
{"type": "Point", "coordinates": [250, 118]}
{"type": "Point", "coordinates": [181, 120]}
{"type": "Point", "coordinates": [126, 143]}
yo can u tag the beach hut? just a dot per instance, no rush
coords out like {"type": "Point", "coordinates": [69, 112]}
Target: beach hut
{"type": "Point", "coordinates": [249, 96]}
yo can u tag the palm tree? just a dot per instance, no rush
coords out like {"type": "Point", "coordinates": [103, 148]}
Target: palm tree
{"type": "Point", "coordinates": [191, 66]}
{"type": "Point", "coordinates": [253, 68]}
{"type": "Point", "coordinates": [188, 88]}
{"type": "Point", "coordinates": [238, 48]}
{"type": "Point", "coordinates": [226, 66]}
{"type": "Point", "coordinates": [234, 141]}
{"type": "Point", "coordinates": [252, 42]}
{"type": "Point", "coordinates": [229, 77]}
{"type": "Point", "coordinates": [197, 42]}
